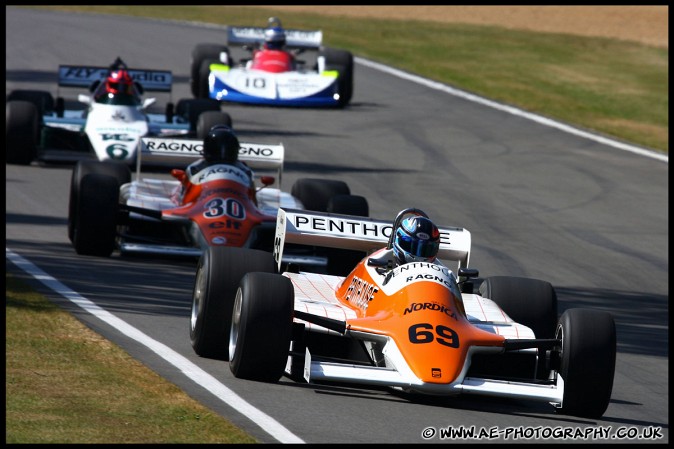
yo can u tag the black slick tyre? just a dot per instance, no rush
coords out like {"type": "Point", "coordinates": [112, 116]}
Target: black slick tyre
{"type": "Point", "coordinates": [587, 361]}
{"type": "Point", "coordinates": [219, 272]}
{"type": "Point", "coordinates": [261, 327]}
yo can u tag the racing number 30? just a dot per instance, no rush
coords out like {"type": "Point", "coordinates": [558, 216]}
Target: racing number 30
{"type": "Point", "coordinates": [421, 333]}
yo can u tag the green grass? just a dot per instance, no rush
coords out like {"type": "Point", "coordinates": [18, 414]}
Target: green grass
{"type": "Point", "coordinates": [66, 384]}
{"type": "Point", "coordinates": [616, 88]}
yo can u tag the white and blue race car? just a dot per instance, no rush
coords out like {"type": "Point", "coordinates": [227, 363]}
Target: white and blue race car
{"type": "Point", "coordinates": [299, 72]}
{"type": "Point", "coordinates": [111, 121]}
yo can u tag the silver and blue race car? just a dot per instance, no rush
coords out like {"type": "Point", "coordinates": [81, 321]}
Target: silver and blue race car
{"type": "Point", "coordinates": [250, 69]}
{"type": "Point", "coordinates": [107, 124]}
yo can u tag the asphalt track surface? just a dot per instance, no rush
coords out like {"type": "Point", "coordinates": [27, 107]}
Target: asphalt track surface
{"type": "Point", "coordinates": [540, 202]}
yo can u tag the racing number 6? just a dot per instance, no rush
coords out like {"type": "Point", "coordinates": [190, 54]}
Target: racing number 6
{"type": "Point", "coordinates": [419, 333]}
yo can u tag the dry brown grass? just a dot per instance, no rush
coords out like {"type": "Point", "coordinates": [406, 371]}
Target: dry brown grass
{"type": "Point", "coordinates": [646, 24]}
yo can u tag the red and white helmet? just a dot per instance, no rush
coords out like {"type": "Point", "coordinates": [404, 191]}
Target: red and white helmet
{"type": "Point", "coordinates": [119, 82]}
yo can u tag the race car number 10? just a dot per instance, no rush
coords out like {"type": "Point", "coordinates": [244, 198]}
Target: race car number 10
{"type": "Point", "coordinates": [256, 83]}
{"type": "Point", "coordinates": [421, 333]}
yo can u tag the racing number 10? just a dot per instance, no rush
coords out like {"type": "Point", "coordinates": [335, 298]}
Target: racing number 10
{"type": "Point", "coordinates": [257, 83]}
{"type": "Point", "coordinates": [419, 333]}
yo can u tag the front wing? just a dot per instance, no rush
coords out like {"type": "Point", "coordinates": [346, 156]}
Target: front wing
{"type": "Point", "coordinates": [296, 88]}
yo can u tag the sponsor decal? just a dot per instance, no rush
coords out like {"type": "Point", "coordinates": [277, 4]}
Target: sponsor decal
{"type": "Point", "coordinates": [119, 137]}
{"type": "Point", "coordinates": [222, 170]}
{"type": "Point", "coordinates": [83, 72]}
{"type": "Point", "coordinates": [360, 292]}
{"type": "Point", "coordinates": [183, 146]}
{"type": "Point", "coordinates": [229, 224]}
{"type": "Point", "coordinates": [343, 226]}
{"type": "Point", "coordinates": [118, 116]}
{"type": "Point", "coordinates": [418, 306]}
{"type": "Point", "coordinates": [256, 151]}
{"type": "Point", "coordinates": [144, 77]}
{"type": "Point", "coordinates": [406, 274]}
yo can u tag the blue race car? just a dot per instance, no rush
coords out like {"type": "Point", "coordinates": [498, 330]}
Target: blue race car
{"type": "Point", "coordinates": [263, 66]}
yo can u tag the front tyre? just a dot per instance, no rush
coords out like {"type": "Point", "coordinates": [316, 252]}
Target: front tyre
{"type": "Point", "coordinates": [22, 125]}
{"type": "Point", "coordinates": [95, 223]}
{"type": "Point", "coordinates": [261, 329]}
{"type": "Point", "coordinates": [200, 53]}
{"type": "Point", "coordinates": [219, 272]}
{"type": "Point", "coordinates": [587, 361]}
{"type": "Point", "coordinates": [342, 61]}
{"type": "Point", "coordinates": [118, 170]}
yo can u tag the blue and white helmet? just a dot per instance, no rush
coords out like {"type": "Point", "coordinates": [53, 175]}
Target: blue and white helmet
{"type": "Point", "coordinates": [274, 38]}
{"type": "Point", "coordinates": [417, 239]}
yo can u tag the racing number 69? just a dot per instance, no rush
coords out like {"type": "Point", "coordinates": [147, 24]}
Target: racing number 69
{"type": "Point", "coordinates": [421, 333]}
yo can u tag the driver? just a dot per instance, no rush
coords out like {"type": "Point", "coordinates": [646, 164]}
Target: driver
{"type": "Point", "coordinates": [273, 57]}
{"type": "Point", "coordinates": [221, 146]}
{"type": "Point", "coordinates": [118, 88]}
{"type": "Point", "coordinates": [416, 239]}
{"type": "Point", "coordinates": [274, 38]}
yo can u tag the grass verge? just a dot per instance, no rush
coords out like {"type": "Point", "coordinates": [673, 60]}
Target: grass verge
{"type": "Point", "coordinates": [67, 384]}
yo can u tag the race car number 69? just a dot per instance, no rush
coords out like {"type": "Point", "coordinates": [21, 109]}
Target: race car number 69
{"type": "Point", "coordinates": [446, 335]}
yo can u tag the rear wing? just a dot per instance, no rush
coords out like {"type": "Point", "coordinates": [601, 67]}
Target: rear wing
{"type": "Point", "coordinates": [182, 152]}
{"type": "Point", "coordinates": [255, 35]}
{"type": "Point", "coordinates": [355, 233]}
{"type": "Point", "coordinates": [84, 76]}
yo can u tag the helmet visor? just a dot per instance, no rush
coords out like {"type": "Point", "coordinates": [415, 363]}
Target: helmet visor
{"type": "Point", "coordinates": [416, 246]}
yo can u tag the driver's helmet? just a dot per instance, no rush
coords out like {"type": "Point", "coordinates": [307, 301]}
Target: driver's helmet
{"type": "Point", "coordinates": [119, 82]}
{"type": "Point", "coordinates": [274, 38]}
{"type": "Point", "coordinates": [417, 239]}
{"type": "Point", "coordinates": [221, 145]}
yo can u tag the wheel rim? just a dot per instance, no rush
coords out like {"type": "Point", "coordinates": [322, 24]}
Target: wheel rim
{"type": "Point", "coordinates": [236, 322]}
{"type": "Point", "coordinates": [197, 296]}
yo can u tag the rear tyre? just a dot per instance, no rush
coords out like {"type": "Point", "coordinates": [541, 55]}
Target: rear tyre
{"type": "Point", "coordinates": [190, 110]}
{"type": "Point", "coordinates": [587, 361]}
{"type": "Point", "coordinates": [530, 302]}
{"type": "Point", "coordinates": [95, 225]}
{"type": "Point", "coordinates": [199, 54]}
{"type": "Point", "coordinates": [342, 261]}
{"type": "Point", "coordinates": [261, 328]}
{"type": "Point", "coordinates": [42, 99]}
{"type": "Point", "coordinates": [118, 170]}
{"type": "Point", "coordinates": [21, 132]}
{"type": "Point", "coordinates": [209, 119]}
{"type": "Point", "coordinates": [219, 273]}
{"type": "Point", "coordinates": [314, 194]}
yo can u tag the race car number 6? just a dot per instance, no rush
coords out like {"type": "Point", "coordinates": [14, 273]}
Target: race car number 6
{"type": "Point", "coordinates": [419, 333]}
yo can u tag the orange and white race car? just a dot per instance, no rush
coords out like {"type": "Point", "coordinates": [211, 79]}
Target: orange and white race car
{"type": "Point", "coordinates": [418, 327]}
